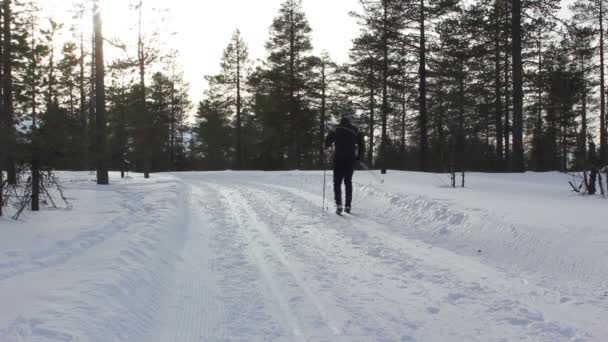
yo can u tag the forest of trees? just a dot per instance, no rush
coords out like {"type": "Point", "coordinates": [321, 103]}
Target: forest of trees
{"type": "Point", "coordinates": [436, 85]}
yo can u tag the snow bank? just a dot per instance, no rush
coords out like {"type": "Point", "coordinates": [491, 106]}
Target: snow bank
{"type": "Point", "coordinates": [92, 273]}
{"type": "Point", "coordinates": [530, 225]}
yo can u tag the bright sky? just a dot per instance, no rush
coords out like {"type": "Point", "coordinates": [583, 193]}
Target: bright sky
{"type": "Point", "coordinates": [203, 28]}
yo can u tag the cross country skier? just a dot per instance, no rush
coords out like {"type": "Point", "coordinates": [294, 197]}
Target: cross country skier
{"type": "Point", "coordinates": [349, 149]}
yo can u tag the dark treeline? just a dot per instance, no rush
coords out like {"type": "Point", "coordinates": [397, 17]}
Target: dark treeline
{"type": "Point", "coordinates": [436, 85]}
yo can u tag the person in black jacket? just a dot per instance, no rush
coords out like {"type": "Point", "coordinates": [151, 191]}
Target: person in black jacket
{"type": "Point", "coordinates": [349, 148]}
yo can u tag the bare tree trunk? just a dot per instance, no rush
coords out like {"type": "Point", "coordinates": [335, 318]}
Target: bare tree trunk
{"type": "Point", "coordinates": [239, 119]}
{"type": "Point", "coordinates": [92, 119]}
{"type": "Point", "coordinates": [35, 167]}
{"type": "Point", "coordinates": [172, 142]}
{"type": "Point", "coordinates": [83, 109]}
{"type": "Point", "coordinates": [323, 104]}
{"type": "Point", "coordinates": [497, 90]}
{"type": "Point", "coordinates": [403, 116]}
{"type": "Point", "coordinates": [8, 95]}
{"type": "Point", "coordinates": [372, 109]}
{"type": "Point", "coordinates": [123, 135]}
{"type": "Point", "coordinates": [100, 98]}
{"type": "Point", "coordinates": [603, 147]}
{"type": "Point", "coordinates": [145, 135]}
{"type": "Point", "coordinates": [384, 141]}
{"type": "Point", "coordinates": [564, 144]}
{"type": "Point", "coordinates": [3, 133]}
{"type": "Point", "coordinates": [507, 122]}
{"type": "Point", "coordinates": [424, 146]}
{"type": "Point", "coordinates": [1, 177]}
{"type": "Point", "coordinates": [539, 119]}
{"type": "Point", "coordinates": [583, 143]}
{"type": "Point", "coordinates": [518, 90]}
{"type": "Point", "coordinates": [439, 130]}
{"type": "Point", "coordinates": [293, 111]}
{"type": "Point", "coordinates": [461, 118]}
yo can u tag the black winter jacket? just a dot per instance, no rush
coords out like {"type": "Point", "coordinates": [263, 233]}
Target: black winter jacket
{"type": "Point", "coordinates": [348, 140]}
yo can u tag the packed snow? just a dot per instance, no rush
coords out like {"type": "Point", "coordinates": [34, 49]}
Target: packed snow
{"type": "Point", "coordinates": [252, 256]}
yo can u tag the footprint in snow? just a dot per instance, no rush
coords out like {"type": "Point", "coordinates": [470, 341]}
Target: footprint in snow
{"type": "Point", "coordinates": [432, 310]}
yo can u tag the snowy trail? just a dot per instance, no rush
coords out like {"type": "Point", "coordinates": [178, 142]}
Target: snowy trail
{"type": "Point", "coordinates": [295, 275]}
{"type": "Point", "coordinates": [247, 256]}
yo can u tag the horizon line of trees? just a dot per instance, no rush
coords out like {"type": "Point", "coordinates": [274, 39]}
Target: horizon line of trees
{"type": "Point", "coordinates": [437, 85]}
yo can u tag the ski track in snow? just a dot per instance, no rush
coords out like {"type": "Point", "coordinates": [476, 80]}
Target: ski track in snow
{"type": "Point", "coordinates": [249, 257]}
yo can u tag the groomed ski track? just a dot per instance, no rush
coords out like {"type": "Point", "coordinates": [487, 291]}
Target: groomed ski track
{"type": "Point", "coordinates": [249, 256]}
{"type": "Point", "coordinates": [261, 263]}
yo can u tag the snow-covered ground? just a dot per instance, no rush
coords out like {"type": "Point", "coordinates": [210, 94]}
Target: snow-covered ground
{"type": "Point", "coordinates": [249, 256]}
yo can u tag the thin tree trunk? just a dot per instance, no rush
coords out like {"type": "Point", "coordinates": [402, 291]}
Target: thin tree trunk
{"type": "Point", "coordinates": [172, 138]}
{"type": "Point", "coordinates": [497, 90]}
{"type": "Point", "coordinates": [564, 166]}
{"type": "Point", "coordinates": [294, 155]}
{"type": "Point", "coordinates": [239, 119]}
{"type": "Point", "coordinates": [51, 77]}
{"type": "Point", "coordinates": [8, 95]}
{"type": "Point", "coordinates": [538, 130]}
{"type": "Point", "coordinates": [518, 90]}
{"type": "Point", "coordinates": [507, 123]}
{"type": "Point", "coordinates": [323, 104]}
{"type": "Point", "coordinates": [583, 143]}
{"type": "Point", "coordinates": [83, 109]}
{"type": "Point", "coordinates": [145, 135]}
{"type": "Point", "coordinates": [424, 147]}
{"type": "Point", "coordinates": [2, 126]}
{"type": "Point", "coordinates": [441, 133]}
{"type": "Point", "coordinates": [35, 167]}
{"type": "Point", "coordinates": [384, 141]}
{"type": "Point", "coordinates": [403, 110]}
{"type": "Point", "coordinates": [603, 142]}
{"type": "Point", "coordinates": [372, 109]}
{"type": "Point", "coordinates": [123, 135]}
{"type": "Point", "coordinates": [92, 119]}
{"type": "Point", "coordinates": [1, 174]}
{"type": "Point", "coordinates": [461, 118]}
{"type": "Point", "coordinates": [100, 98]}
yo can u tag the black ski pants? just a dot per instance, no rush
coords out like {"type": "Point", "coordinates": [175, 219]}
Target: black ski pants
{"type": "Point", "coordinates": [343, 172]}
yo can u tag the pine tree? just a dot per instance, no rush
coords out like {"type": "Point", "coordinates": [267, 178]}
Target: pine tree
{"type": "Point", "coordinates": [100, 98]}
{"type": "Point", "coordinates": [453, 68]}
{"type": "Point", "coordinates": [213, 131]}
{"type": "Point", "coordinates": [179, 105]}
{"type": "Point", "coordinates": [582, 55]}
{"type": "Point", "coordinates": [518, 90]}
{"type": "Point", "coordinates": [234, 66]}
{"type": "Point", "coordinates": [83, 129]}
{"type": "Point", "coordinates": [122, 104]}
{"type": "Point", "coordinates": [592, 14]}
{"type": "Point", "coordinates": [363, 83]}
{"type": "Point", "coordinates": [325, 97]}
{"type": "Point", "coordinates": [289, 47]}
{"type": "Point", "coordinates": [384, 22]}
{"type": "Point", "coordinates": [561, 118]}
{"type": "Point", "coordinates": [498, 107]}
